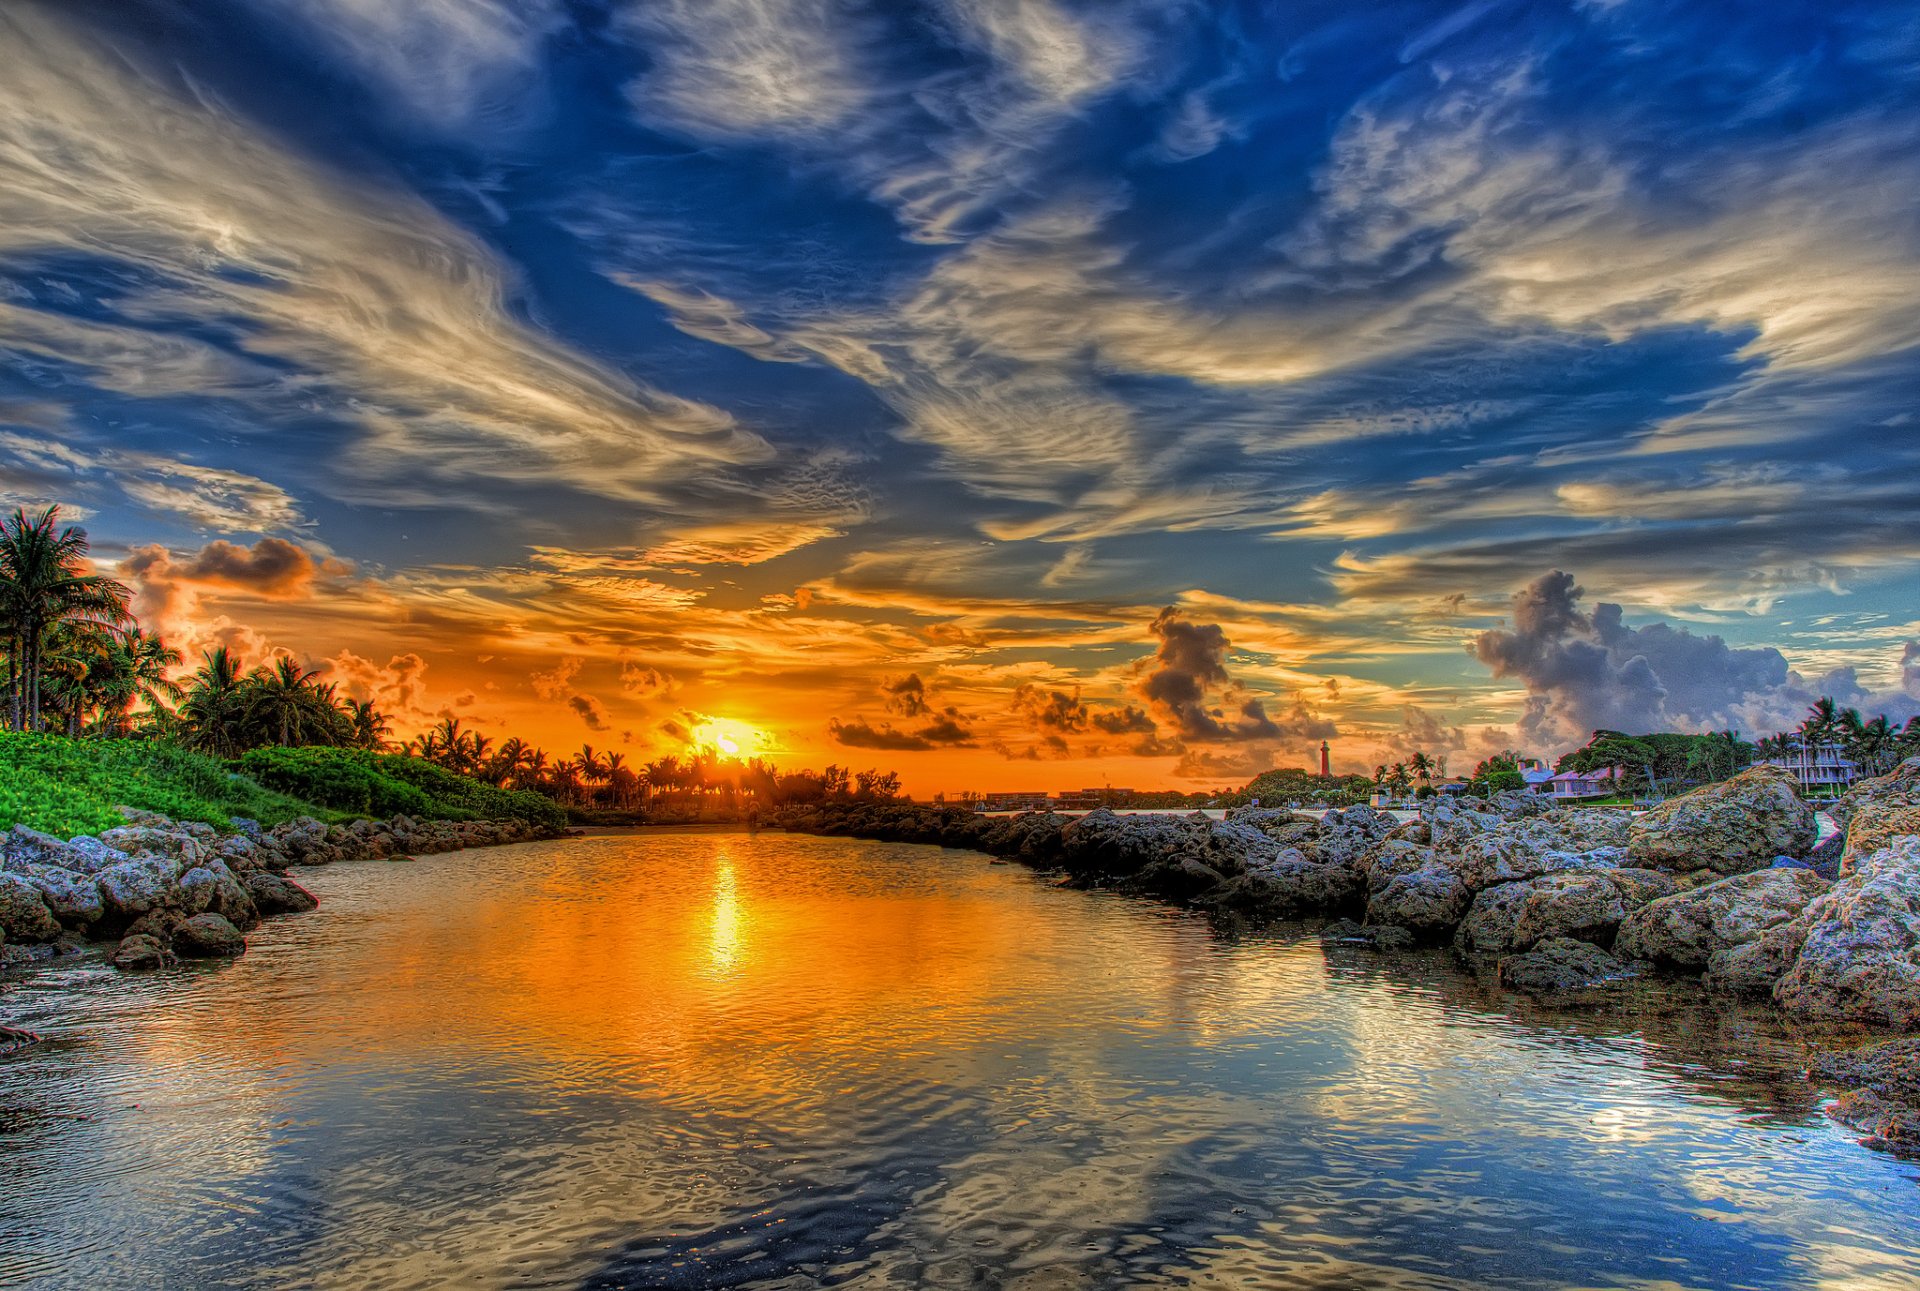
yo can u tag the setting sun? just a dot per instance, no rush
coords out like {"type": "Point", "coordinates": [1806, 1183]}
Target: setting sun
{"type": "Point", "coordinates": [729, 737]}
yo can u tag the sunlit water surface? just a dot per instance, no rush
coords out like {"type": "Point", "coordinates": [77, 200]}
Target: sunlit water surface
{"type": "Point", "coordinates": [699, 1059]}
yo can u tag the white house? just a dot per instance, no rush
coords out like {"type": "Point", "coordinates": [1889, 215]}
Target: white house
{"type": "Point", "coordinates": [1587, 784]}
{"type": "Point", "coordinates": [1818, 766]}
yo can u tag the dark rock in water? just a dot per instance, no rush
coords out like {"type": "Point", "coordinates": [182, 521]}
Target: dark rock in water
{"type": "Point", "coordinates": [74, 898]}
{"type": "Point", "coordinates": [1884, 1101]}
{"type": "Point", "coordinates": [1585, 905]}
{"type": "Point", "coordinates": [24, 915]}
{"type": "Point", "coordinates": [139, 951]}
{"type": "Point", "coordinates": [1287, 885]}
{"type": "Point", "coordinates": [276, 894]}
{"type": "Point", "coordinates": [1380, 937]}
{"type": "Point", "coordinates": [1560, 965]}
{"type": "Point", "coordinates": [1735, 826]}
{"type": "Point", "coordinates": [1859, 960]}
{"type": "Point", "coordinates": [136, 887]}
{"type": "Point", "coordinates": [208, 936]}
{"type": "Point", "coordinates": [1427, 902]}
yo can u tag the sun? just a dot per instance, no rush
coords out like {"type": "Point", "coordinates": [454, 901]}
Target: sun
{"type": "Point", "coordinates": [729, 736]}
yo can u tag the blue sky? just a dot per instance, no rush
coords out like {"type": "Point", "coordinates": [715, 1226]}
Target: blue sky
{"type": "Point", "coordinates": [601, 369]}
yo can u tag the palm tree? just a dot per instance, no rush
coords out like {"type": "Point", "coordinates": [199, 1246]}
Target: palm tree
{"type": "Point", "coordinates": [1422, 766]}
{"type": "Point", "coordinates": [370, 725]}
{"type": "Point", "coordinates": [213, 713]}
{"type": "Point", "coordinates": [43, 582]}
{"type": "Point", "coordinates": [284, 706]}
{"type": "Point", "coordinates": [139, 668]}
{"type": "Point", "coordinates": [1822, 719]}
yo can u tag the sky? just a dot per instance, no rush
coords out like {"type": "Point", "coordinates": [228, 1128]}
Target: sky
{"type": "Point", "coordinates": [1016, 393]}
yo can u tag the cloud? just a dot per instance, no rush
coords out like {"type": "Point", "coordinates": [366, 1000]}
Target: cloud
{"type": "Point", "coordinates": [1190, 666]}
{"type": "Point", "coordinates": [348, 294]}
{"type": "Point", "coordinates": [558, 680]}
{"type": "Point", "coordinates": [946, 730]}
{"type": "Point", "coordinates": [1584, 672]}
{"type": "Point", "coordinates": [448, 64]}
{"type": "Point", "coordinates": [746, 542]}
{"type": "Point", "coordinates": [590, 710]}
{"type": "Point", "coordinates": [906, 696]}
{"type": "Point", "coordinates": [398, 688]}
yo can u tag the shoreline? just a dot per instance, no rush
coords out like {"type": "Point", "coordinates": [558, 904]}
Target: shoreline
{"type": "Point", "coordinates": [1738, 887]}
{"type": "Point", "coordinates": [159, 891]}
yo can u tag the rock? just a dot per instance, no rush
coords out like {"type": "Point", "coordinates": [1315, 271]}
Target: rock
{"type": "Point", "coordinates": [1875, 825]}
{"type": "Point", "coordinates": [273, 894]}
{"type": "Point", "coordinates": [1686, 930]}
{"type": "Point", "coordinates": [195, 891]}
{"type": "Point", "coordinates": [1824, 860]}
{"type": "Point", "coordinates": [1289, 885]}
{"type": "Point", "coordinates": [73, 898]}
{"type": "Point", "coordinates": [134, 887]}
{"type": "Point", "coordinates": [1790, 863]}
{"type": "Point", "coordinates": [247, 829]}
{"type": "Point", "coordinates": [1899, 787]}
{"type": "Point", "coordinates": [1427, 902]}
{"type": "Point", "coordinates": [1377, 937]}
{"type": "Point", "coordinates": [1393, 858]}
{"type": "Point", "coordinates": [1733, 827]}
{"type": "Point", "coordinates": [23, 847]}
{"type": "Point", "coordinates": [1859, 960]}
{"type": "Point", "coordinates": [1488, 928]}
{"type": "Point", "coordinates": [208, 936]}
{"type": "Point", "coordinates": [1346, 837]}
{"type": "Point", "coordinates": [1754, 967]}
{"type": "Point", "coordinates": [140, 951]}
{"type": "Point", "coordinates": [1883, 1101]}
{"type": "Point", "coordinates": [1526, 849]}
{"type": "Point", "coordinates": [175, 843]}
{"type": "Point", "coordinates": [1560, 965]}
{"type": "Point", "coordinates": [90, 855]}
{"type": "Point", "coordinates": [24, 915]}
{"type": "Point", "coordinates": [1584, 906]}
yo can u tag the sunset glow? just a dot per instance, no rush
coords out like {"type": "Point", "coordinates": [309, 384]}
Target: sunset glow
{"type": "Point", "coordinates": [1017, 396]}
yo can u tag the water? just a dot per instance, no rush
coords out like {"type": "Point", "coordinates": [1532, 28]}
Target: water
{"type": "Point", "coordinates": [715, 1060]}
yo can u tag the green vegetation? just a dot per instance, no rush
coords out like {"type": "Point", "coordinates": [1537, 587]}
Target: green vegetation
{"type": "Point", "coordinates": [364, 783]}
{"type": "Point", "coordinates": [68, 787]}
{"type": "Point", "coordinates": [1290, 784]}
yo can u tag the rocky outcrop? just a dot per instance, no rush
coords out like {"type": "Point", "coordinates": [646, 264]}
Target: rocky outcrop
{"type": "Point", "coordinates": [186, 887]}
{"type": "Point", "coordinates": [1859, 954]}
{"type": "Point", "coordinates": [24, 915]}
{"type": "Point", "coordinates": [1883, 1098]}
{"type": "Point", "coordinates": [1874, 813]}
{"type": "Point", "coordinates": [1562, 966]}
{"type": "Point", "coordinates": [1738, 825]}
{"type": "Point", "coordinates": [1901, 785]}
{"type": "Point", "coordinates": [207, 936]}
{"type": "Point", "coordinates": [1687, 930]}
{"type": "Point", "coordinates": [1584, 905]}
{"type": "Point", "coordinates": [1427, 902]}
{"type": "Point", "coordinates": [1490, 923]}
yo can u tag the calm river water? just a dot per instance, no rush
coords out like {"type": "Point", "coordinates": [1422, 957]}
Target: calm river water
{"type": "Point", "coordinates": [715, 1060]}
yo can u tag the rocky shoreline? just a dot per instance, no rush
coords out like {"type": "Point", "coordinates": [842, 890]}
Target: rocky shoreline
{"type": "Point", "coordinates": [167, 890]}
{"type": "Point", "coordinates": [1727, 884]}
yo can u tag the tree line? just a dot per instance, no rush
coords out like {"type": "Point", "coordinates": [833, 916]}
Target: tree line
{"type": "Point", "coordinates": [78, 664]}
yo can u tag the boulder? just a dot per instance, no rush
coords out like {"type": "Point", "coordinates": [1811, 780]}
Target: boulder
{"type": "Point", "coordinates": [140, 951]}
{"type": "Point", "coordinates": [195, 890]}
{"type": "Point", "coordinates": [1900, 786]}
{"type": "Point", "coordinates": [1735, 826]}
{"type": "Point", "coordinates": [1584, 905]}
{"type": "Point", "coordinates": [275, 894]}
{"type": "Point", "coordinates": [1874, 826]}
{"type": "Point", "coordinates": [1559, 966]}
{"type": "Point", "coordinates": [24, 915]}
{"type": "Point", "coordinates": [1883, 1098]}
{"type": "Point", "coordinates": [74, 898]}
{"type": "Point", "coordinates": [1687, 929]}
{"type": "Point", "coordinates": [1427, 902]}
{"type": "Point", "coordinates": [174, 842]}
{"type": "Point", "coordinates": [134, 887]}
{"type": "Point", "coordinates": [208, 936]}
{"type": "Point", "coordinates": [1488, 928]}
{"type": "Point", "coordinates": [1393, 858]}
{"type": "Point", "coordinates": [23, 847]}
{"type": "Point", "coordinates": [90, 855]}
{"type": "Point", "coordinates": [1859, 957]}
{"type": "Point", "coordinates": [1346, 837]}
{"type": "Point", "coordinates": [1289, 885]}
{"type": "Point", "coordinates": [1376, 937]}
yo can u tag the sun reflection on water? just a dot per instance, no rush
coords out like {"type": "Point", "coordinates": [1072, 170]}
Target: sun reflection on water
{"type": "Point", "coordinates": [724, 943]}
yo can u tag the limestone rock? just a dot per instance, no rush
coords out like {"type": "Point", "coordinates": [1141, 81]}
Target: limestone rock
{"type": "Point", "coordinates": [1427, 902]}
{"type": "Point", "coordinates": [140, 951]}
{"type": "Point", "coordinates": [74, 898]}
{"type": "Point", "coordinates": [1289, 885]}
{"type": "Point", "coordinates": [1733, 827]}
{"type": "Point", "coordinates": [24, 915]}
{"type": "Point", "coordinates": [1584, 905]}
{"type": "Point", "coordinates": [208, 936]}
{"type": "Point", "coordinates": [1883, 1101]}
{"type": "Point", "coordinates": [1860, 957]}
{"type": "Point", "coordinates": [1559, 966]}
{"type": "Point", "coordinates": [1687, 929]}
{"type": "Point", "coordinates": [1488, 928]}
{"type": "Point", "coordinates": [275, 894]}
{"type": "Point", "coordinates": [134, 887]}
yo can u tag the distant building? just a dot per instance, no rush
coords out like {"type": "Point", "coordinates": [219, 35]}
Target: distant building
{"type": "Point", "coordinates": [1089, 799]}
{"type": "Point", "coordinates": [1326, 771]}
{"type": "Point", "coordinates": [1537, 774]}
{"type": "Point", "coordinates": [1818, 766]}
{"type": "Point", "coordinates": [1573, 785]}
{"type": "Point", "coordinates": [1012, 802]}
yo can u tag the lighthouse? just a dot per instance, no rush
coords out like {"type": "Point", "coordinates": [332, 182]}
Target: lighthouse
{"type": "Point", "coordinates": [1325, 771]}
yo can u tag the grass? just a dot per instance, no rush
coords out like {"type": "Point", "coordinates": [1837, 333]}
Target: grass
{"type": "Point", "coordinates": [67, 787]}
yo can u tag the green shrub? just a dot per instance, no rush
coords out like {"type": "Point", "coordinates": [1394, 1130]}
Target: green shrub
{"type": "Point", "coordinates": [69, 787]}
{"type": "Point", "coordinates": [388, 784]}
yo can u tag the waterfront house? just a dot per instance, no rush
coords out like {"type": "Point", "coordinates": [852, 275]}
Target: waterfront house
{"type": "Point", "coordinates": [1570, 786]}
{"type": "Point", "coordinates": [1818, 766]}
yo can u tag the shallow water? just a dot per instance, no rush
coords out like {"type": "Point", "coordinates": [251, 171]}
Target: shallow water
{"type": "Point", "coordinates": [715, 1060]}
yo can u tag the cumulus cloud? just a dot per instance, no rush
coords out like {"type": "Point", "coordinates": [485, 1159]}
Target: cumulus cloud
{"type": "Point", "coordinates": [397, 688]}
{"type": "Point", "coordinates": [947, 730]}
{"type": "Point", "coordinates": [1190, 668]}
{"type": "Point", "coordinates": [167, 587]}
{"type": "Point", "coordinates": [906, 696]}
{"type": "Point", "coordinates": [1584, 672]}
{"type": "Point", "coordinates": [558, 680]}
